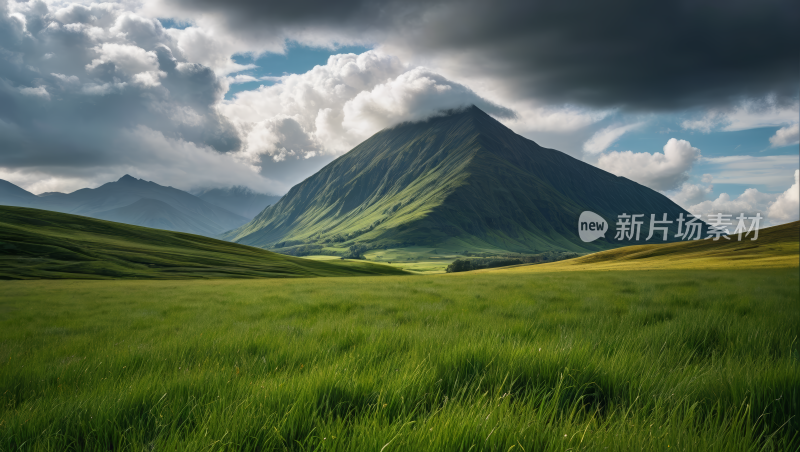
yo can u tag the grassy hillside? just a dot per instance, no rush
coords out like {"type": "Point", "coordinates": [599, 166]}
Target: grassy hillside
{"type": "Point", "coordinates": [698, 360]}
{"type": "Point", "coordinates": [776, 247]}
{"type": "Point", "coordinates": [43, 244]}
{"type": "Point", "coordinates": [457, 182]}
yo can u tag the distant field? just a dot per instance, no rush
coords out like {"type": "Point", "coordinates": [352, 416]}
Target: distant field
{"type": "Point", "coordinates": [701, 360]}
{"type": "Point", "coordinates": [323, 258]}
{"type": "Point", "coordinates": [43, 244]}
{"type": "Point", "coordinates": [413, 259]}
{"type": "Point", "coordinates": [411, 265]}
{"type": "Point", "coordinates": [422, 267]}
{"type": "Point", "coordinates": [776, 247]}
{"type": "Point", "coordinates": [416, 259]}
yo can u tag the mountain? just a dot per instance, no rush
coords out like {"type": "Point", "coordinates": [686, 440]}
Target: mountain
{"type": "Point", "coordinates": [239, 200]}
{"type": "Point", "coordinates": [11, 195]}
{"type": "Point", "coordinates": [133, 201]}
{"type": "Point", "coordinates": [458, 181]}
{"type": "Point", "coordinates": [152, 213]}
{"type": "Point", "coordinates": [40, 244]}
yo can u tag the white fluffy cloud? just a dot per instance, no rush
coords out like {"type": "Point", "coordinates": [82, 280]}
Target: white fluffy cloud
{"type": "Point", "coordinates": [127, 59]}
{"type": "Point", "coordinates": [333, 107]}
{"type": "Point", "coordinates": [659, 171]}
{"type": "Point", "coordinates": [787, 206]}
{"type": "Point", "coordinates": [786, 136]}
{"type": "Point", "coordinates": [533, 118]}
{"type": "Point", "coordinates": [750, 202]}
{"type": "Point", "coordinates": [604, 138]}
{"type": "Point", "coordinates": [39, 91]}
{"type": "Point", "coordinates": [690, 194]}
{"type": "Point", "coordinates": [95, 91]}
{"type": "Point", "coordinates": [776, 208]}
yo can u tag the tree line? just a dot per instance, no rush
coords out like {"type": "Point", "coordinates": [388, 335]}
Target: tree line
{"type": "Point", "coordinates": [478, 263]}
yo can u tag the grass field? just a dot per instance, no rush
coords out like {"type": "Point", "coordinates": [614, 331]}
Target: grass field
{"type": "Point", "coordinates": [628, 360]}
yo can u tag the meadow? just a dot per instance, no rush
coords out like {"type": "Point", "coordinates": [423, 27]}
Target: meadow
{"type": "Point", "coordinates": [659, 360]}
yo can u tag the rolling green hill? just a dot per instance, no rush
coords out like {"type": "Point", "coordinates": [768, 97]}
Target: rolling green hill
{"type": "Point", "coordinates": [776, 247]}
{"type": "Point", "coordinates": [43, 244]}
{"type": "Point", "coordinates": [461, 181]}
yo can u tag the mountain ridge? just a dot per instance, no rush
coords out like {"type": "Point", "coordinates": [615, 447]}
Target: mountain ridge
{"type": "Point", "coordinates": [152, 213]}
{"type": "Point", "coordinates": [196, 216]}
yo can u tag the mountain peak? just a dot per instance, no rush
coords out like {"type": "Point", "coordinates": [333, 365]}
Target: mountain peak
{"type": "Point", "coordinates": [467, 110]}
{"type": "Point", "coordinates": [127, 178]}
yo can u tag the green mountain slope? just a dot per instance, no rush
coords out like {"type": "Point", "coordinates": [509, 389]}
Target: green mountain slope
{"type": "Point", "coordinates": [43, 244]}
{"type": "Point", "coordinates": [458, 181]}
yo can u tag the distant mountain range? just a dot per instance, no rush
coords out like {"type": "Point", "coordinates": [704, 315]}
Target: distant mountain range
{"type": "Point", "coordinates": [239, 200]}
{"type": "Point", "coordinates": [133, 201]}
{"type": "Point", "coordinates": [460, 181]}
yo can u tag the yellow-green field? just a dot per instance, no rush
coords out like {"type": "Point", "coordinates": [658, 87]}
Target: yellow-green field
{"type": "Point", "coordinates": [422, 267]}
{"type": "Point", "coordinates": [777, 247]}
{"type": "Point", "coordinates": [412, 263]}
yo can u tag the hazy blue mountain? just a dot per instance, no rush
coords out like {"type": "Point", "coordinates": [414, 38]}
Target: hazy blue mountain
{"type": "Point", "coordinates": [460, 181]}
{"type": "Point", "coordinates": [152, 213]}
{"type": "Point", "coordinates": [133, 201]}
{"type": "Point", "coordinates": [239, 200]}
{"type": "Point", "coordinates": [12, 195]}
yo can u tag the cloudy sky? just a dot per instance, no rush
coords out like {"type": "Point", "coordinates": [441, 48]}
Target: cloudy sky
{"type": "Point", "coordinates": [697, 99]}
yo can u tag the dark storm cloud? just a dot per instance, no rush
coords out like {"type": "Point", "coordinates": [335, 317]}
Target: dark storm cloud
{"type": "Point", "coordinates": [637, 55]}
